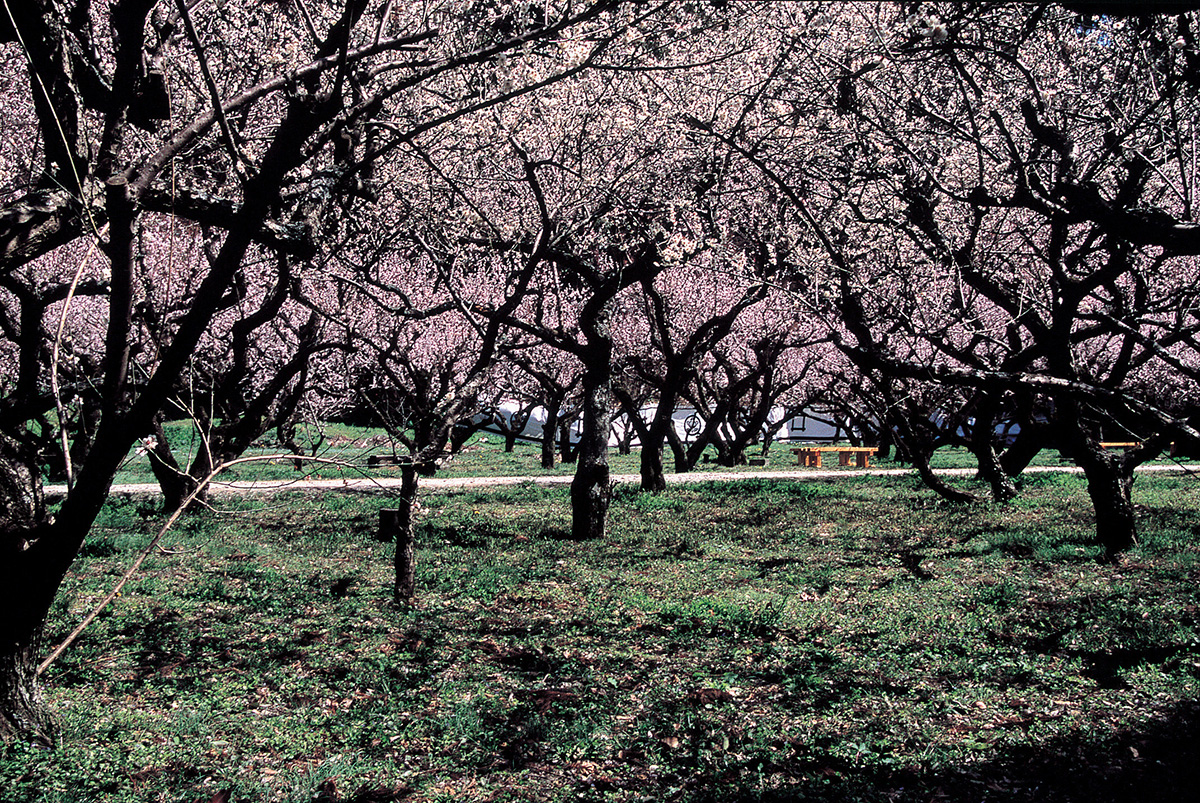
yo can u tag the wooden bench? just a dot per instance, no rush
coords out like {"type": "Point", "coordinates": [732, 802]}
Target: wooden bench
{"type": "Point", "coordinates": [1173, 448]}
{"type": "Point", "coordinates": [811, 455]}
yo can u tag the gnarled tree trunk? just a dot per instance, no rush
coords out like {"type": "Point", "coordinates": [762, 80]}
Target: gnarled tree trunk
{"type": "Point", "coordinates": [990, 470]}
{"type": "Point", "coordinates": [23, 711]}
{"type": "Point", "coordinates": [1110, 490]}
{"type": "Point", "coordinates": [984, 448]}
{"type": "Point", "coordinates": [919, 449]}
{"type": "Point", "coordinates": [1030, 439]}
{"type": "Point", "coordinates": [34, 558]}
{"type": "Point", "coordinates": [920, 459]}
{"type": "Point", "coordinates": [652, 434]}
{"type": "Point", "coordinates": [26, 588]}
{"type": "Point", "coordinates": [1109, 477]}
{"type": "Point", "coordinates": [679, 451]}
{"type": "Point", "coordinates": [175, 483]}
{"type": "Point", "coordinates": [589, 489]}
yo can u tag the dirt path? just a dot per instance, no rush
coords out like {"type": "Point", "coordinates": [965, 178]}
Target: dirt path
{"type": "Point", "coordinates": [381, 484]}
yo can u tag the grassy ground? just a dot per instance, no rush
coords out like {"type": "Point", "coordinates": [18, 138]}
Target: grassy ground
{"type": "Point", "coordinates": [749, 641]}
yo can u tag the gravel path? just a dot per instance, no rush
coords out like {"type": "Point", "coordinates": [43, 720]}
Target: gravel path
{"type": "Point", "coordinates": [370, 484]}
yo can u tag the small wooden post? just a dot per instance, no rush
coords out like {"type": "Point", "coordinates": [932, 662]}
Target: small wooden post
{"type": "Point", "coordinates": [389, 521]}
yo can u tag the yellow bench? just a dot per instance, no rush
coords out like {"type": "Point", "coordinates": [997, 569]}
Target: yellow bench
{"type": "Point", "coordinates": [811, 455]}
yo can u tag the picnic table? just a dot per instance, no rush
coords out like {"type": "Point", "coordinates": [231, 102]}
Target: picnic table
{"type": "Point", "coordinates": [811, 455]}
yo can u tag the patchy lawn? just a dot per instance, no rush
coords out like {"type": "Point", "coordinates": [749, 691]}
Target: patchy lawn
{"type": "Point", "coordinates": [750, 641]}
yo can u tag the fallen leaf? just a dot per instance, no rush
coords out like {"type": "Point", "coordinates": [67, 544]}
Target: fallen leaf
{"type": "Point", "coordinates": [709, 696]}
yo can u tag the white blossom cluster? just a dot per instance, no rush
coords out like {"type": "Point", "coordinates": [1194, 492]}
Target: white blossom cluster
{"type": "Point", "coordinates": [929, 26]}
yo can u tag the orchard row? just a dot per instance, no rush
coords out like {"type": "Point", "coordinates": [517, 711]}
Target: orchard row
{"type": "Point", "coordinates": [937, 219]}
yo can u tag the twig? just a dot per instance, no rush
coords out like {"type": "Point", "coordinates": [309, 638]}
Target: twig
{"type": "Point", "coordinates": [163, 551]}
{"type": "Point", "coordinates": [137, 564]}
{"type": "Point", "coordinates": [145, 553]}
{"type": "Point", "coordinates": [141, 558]}
{"type": "Point", "coordinates": [56, 351]}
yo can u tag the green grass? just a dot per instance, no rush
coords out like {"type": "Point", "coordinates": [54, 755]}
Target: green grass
{"type": "Point", "coordinates": [755, 641]}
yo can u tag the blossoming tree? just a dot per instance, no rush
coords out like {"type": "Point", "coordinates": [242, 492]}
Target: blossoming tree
{"type": "Point", "coordinates": [1008, 207]}
{"type": "Point", "coordinates": [263, 123]}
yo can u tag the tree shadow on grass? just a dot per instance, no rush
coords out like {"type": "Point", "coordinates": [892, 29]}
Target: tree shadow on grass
{"type": "Point", "coordinates": [477, 535]}
{"type": "Point", "coordinates": [1158, 761]}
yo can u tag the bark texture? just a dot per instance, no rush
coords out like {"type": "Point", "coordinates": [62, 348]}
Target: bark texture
{"type": "Point", "coordinates": [590, 491]}
{"type": "Point", "coordinates": [23, 711]}
{"type": "Point", "coordinates": [653, 476]}
{"type": "Point", "coordinates": [27, 586]}
{"type": "Point", "coordinates": [400, 523]}
{"type": "Point", "coordinates": [1109, 476]}
{"type": "Point", "coordinates": [984, 447]}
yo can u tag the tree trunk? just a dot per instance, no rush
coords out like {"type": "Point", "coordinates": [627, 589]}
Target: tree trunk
{"type": "Point", "coordinates": [654, 437]}
{"type": "Point", "coordinates": [399, 523]}
{"type": "Point", "coordinates": [625, 442]}
{"type": "Point", "coordinates": [27, 587]}
{"type": "Point", "coordinates": [652, 434]}
{"type": "Point", "coordinates": [651, 466]}
{"type": "Point", "coordinates": [1109, 478]}
{"type": "Point", "coordinates": [1109, 489]}
{"type": "Point", "coordinates": [35, 555]}
{"type": "Point", "coordinates": [678, 450]}
{"type": "Point", "coordinates": [30, 575]}
{"type": "Point", "coordinates": [1025, 446]}
{"type": "Point", "coordinates": [1002, 485]}
{"type": "Point", "coordinates": [730, 452]}
{"type": "Point", "coordinates": [567, 452]}
{"type": "Point", "coordinates": [23, 711]}
{"type": "Point", "coordinates": [549, 431]}
{"type": "Point", "coordinates": [590, 492]}
{"type": "Point", "coordinates": [983, 446]}
{"type": "Point", "coordinates": [173, 481]}
{"type": "Point", "coordinates": [920, 461]}
{"type": "Point", "coordinates": [89, 420]}
{"type": "Point", "coordinates": [516, 427]}
{"type": "Point", "coordinates": [201, 467]}
{"type": "Point", "coordinates": [884, 439]}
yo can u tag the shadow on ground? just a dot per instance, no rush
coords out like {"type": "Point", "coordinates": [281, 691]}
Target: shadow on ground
{"type": "Point", "coordinates": [1159, 762]}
